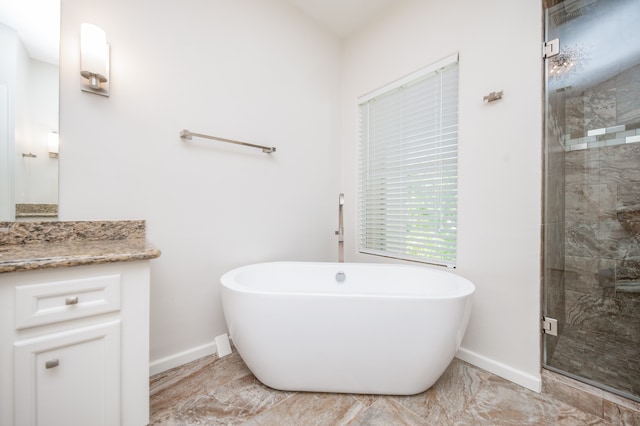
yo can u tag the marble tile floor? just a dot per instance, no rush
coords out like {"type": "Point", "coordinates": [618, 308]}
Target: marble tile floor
{"type": "Point", "coordinates": [212, 391]}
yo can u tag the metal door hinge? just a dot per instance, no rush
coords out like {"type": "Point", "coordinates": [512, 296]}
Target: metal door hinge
{"type": "Point", "coordinates": [550, 326]}
{"type": "Point", "coordinates": [551, 48]}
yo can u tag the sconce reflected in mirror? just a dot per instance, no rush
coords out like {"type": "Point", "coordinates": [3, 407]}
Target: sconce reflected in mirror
{"type": "Point", "coordinates": [53, 144]}
{"type": "Point", "coordinates": [94, 60]}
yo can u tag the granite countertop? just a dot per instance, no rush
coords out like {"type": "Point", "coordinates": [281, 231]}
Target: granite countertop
{"type": "Point", "coordinates": [26, 246]}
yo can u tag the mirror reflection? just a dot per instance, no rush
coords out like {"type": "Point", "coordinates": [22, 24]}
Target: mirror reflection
{"type": "Point", "coordinates": [29, 50]}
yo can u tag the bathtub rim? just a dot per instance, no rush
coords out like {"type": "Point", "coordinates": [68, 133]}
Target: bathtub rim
{"type": "Point", "coordinates": [227, 280]}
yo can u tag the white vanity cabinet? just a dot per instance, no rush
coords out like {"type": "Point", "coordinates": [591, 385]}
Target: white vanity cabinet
{"type": "Point", "coordinates": [74, 345]}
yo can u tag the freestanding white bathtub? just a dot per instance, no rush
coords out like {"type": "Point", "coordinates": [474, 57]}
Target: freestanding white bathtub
{"type": "Point", "coordinates": [346, 327]}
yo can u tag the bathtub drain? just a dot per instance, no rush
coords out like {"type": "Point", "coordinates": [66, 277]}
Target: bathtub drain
{"type": "Point", "coordinates": [340, 277]}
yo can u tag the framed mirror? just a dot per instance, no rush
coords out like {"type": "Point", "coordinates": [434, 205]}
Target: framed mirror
{"type": "Point", "coordinates": [29, 88]}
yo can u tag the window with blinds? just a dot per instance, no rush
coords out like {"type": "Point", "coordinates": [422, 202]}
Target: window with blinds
{"type": "Point", "coordinates": [408, 166]}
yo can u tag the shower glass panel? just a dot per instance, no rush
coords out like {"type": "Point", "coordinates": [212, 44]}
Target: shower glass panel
{"type": "Point", "coordinates": [592, 193]}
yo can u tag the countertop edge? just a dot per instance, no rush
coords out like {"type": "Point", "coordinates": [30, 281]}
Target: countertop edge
{"type": "Point", "coordinates": [29, 246]}
{"type": "Point", "coordinates": [78, 260]}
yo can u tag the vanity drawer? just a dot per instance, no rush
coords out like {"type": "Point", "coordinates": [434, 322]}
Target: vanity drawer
{"type": "Point", "coordinates": [51, 302]}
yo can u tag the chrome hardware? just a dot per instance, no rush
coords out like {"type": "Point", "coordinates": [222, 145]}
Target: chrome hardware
{"type": "Point", "coordinates": [551, 48]}
{"type": "Point", "coordinates": [71, 300]}
{"type": "Point", "coordinates": [52, 363]}
{"type": "Point", "coordinates": [340, 231]}
{"type": "Point", "coordinates": [493, 96]}
{"type": "Point", "coordinates": [550, 326]}
{"type": "Point", "coordinates": [188, 135]}
{"type": "Point", "coordinates": [340, 277]}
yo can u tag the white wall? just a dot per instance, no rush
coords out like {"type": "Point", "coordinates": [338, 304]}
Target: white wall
{"type": "Point", "coordinates": [250, 70]}
{"type": "Point", "coordinates": [499, 43]}
{"type": "Point", "coordinates": [256, 70]}
{"type": "Point", "coordinates": [23, 137]}
{"type": "Point", "coordinates": [36, 179]}
{"type": "Point", "coordinates": [28, 114]}
{"type": "Point", "coordinates": [9, 47]}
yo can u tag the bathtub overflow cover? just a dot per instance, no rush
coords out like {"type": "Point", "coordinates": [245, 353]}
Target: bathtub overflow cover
{"type": "Point", "coordinates": [340, 277]}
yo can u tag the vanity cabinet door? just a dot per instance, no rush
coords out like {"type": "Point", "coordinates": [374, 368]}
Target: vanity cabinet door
{"type": "Point", "coordinates": [69, 378]}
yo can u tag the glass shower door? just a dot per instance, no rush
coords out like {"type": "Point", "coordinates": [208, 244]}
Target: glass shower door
{"type": "Point", "coordinates": [592, 193]}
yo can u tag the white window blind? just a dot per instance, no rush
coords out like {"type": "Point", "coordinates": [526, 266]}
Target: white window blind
{"type": "Point", "coordinates": [408, 166]}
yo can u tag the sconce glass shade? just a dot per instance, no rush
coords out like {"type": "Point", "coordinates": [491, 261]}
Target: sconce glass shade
{"type": "Point", "coordinates": [53, 144]}
{"type": "Point", "coordinates": [94, 58]}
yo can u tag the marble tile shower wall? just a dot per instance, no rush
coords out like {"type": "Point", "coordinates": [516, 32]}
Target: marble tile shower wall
{"type": "Point", "coordinates": [602, 263]}
{"type": "Point", "coordinates": [602, 236]}
{"type": "Point", "coordinates": [611, 103]}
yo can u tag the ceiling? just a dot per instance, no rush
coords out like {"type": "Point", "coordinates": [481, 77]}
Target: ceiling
{"type": "Point", "coordinates": [38, 25]}
{"type": "Point", "coordinates": [38, 21]}
{"type": "Point", "coordinates": [343, 17]}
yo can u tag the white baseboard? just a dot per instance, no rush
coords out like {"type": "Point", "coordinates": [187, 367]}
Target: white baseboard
{"type": "Point", "coordinates": [521, 378]}
{"type": "Point", "coordinates": [176, 360]}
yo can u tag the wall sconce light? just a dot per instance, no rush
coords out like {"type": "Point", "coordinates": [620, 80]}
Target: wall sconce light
{"type": "Point", "coordinates": [54, 144]}
{"type": "Point", "coordinates": [94, 60]}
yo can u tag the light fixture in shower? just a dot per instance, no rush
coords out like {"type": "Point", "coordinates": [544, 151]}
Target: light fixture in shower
{"type": "Point", "coordinates": [562, 66]}
{"type": "Point", "coordinates": [94, 60]}
{"type": "Point", "coordinates": [570, 59]}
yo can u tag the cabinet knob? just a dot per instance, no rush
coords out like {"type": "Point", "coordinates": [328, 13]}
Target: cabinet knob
{"type": "Point", "coordinates": [71, 300]}
{"type": "Point", "coordinates": [52, 363]}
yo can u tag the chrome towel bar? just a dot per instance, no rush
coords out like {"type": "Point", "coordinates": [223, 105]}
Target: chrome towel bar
{"type": "Point", "coordinates": [186, 134]}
